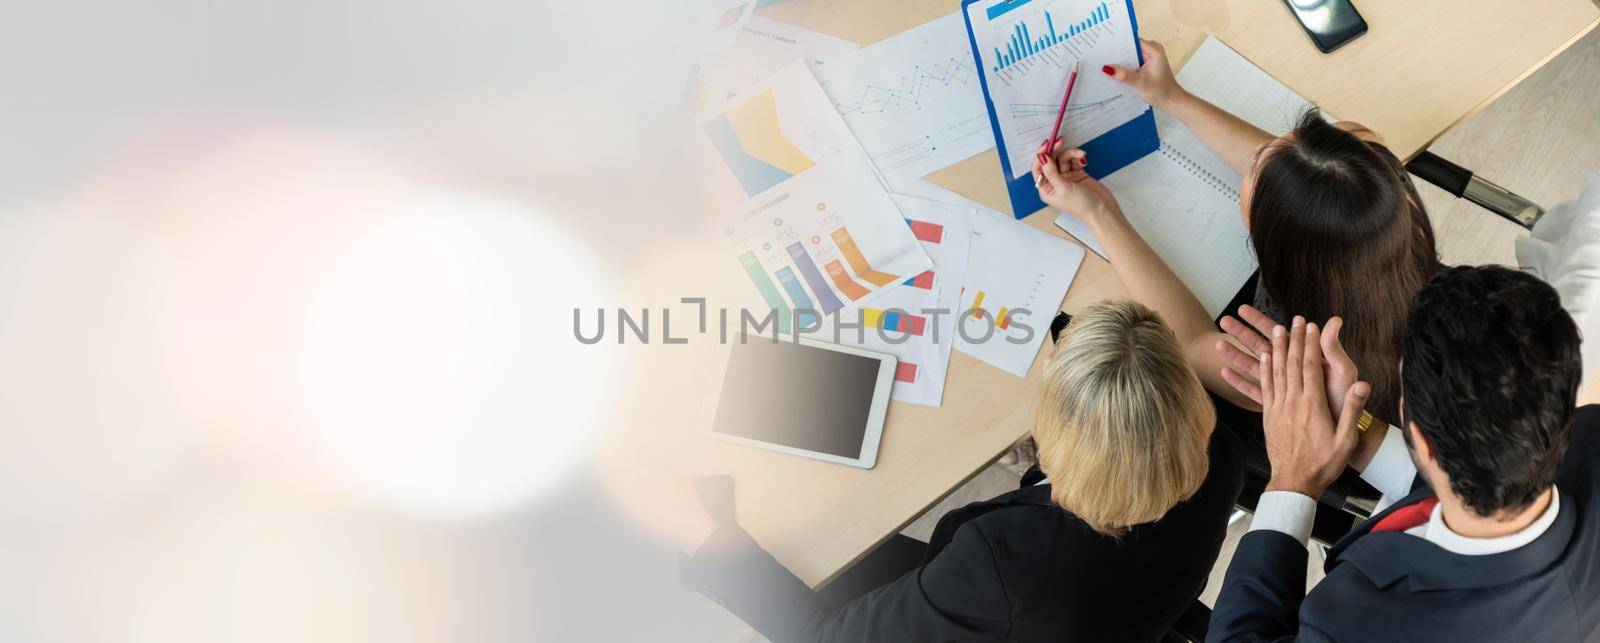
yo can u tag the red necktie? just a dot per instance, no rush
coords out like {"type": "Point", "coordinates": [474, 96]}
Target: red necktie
{"type": "Point", "coordinates": [1408, 516]}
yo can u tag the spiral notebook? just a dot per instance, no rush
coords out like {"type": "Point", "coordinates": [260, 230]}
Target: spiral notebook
{"type": "Point", "coordinates": [1183, 199]}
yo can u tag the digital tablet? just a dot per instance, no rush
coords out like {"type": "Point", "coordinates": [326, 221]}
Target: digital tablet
{"type": "Point", "coordinates": [804, 398]}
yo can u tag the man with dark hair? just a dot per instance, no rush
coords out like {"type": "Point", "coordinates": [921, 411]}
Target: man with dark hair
{"type": "Point", "coordinates": [1503, 540]}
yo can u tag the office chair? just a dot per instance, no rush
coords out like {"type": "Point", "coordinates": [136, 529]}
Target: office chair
{"type": "Point", "coordinates": [1462, 183]}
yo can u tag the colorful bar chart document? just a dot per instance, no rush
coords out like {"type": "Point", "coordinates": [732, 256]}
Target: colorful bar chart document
{"type": "Point", "coordinates": [913, 99]}
{"type": "Point", "coordinates": [1028, 48]}
{"type": "Point", "coordinates": [1017, 276]}
{"type": "Point", "coordinates": [808, 220]}
{"type": "Point", "coordinates": [916, 322]}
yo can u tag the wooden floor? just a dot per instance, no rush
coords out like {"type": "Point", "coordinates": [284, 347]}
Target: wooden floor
{"type": "Point", "coordinates": [1538, 140]}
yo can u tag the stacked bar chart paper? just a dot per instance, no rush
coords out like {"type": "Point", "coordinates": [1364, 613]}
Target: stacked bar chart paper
{"type": "Point", "coordinates": [916, 321]}
{"type": "Point", "coordinates": [808, 222]}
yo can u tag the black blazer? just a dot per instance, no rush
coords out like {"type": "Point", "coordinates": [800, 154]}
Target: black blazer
{"type": "Point", "coordinates": [1015, 568]}
{"type": "Point", "coordinates": [1395, 587]}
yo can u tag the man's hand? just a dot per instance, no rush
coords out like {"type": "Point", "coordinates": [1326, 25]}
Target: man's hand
{"type": "Point", "coordinates": [1339, 371]}
{"type": "Point", "coordinates": [1307, 448]}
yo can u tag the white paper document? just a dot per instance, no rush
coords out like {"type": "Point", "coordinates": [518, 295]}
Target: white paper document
{"type": "Point", "coordinates": [808, 221]}
{"type": "Point", "coordinates": [1017, 276]}
{"type": "Point", "coordinates": [1184, 200]}
{"type": "Point", "coordinates": [761, 47]}
{"type": "Point", "coordinates": [913, 99]}
{"type": "Point", "coordinates": [1029, 47]}
{"type": "Point", "coordinates": [916, 321]}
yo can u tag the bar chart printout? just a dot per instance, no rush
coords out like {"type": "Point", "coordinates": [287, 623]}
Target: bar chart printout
{"type": "Point", "coordinates": [1024, 44]}
{"type": "Point", "coordinates": [1015, 282]}
{"type": "Point", "coordinates": [1028, 48]}
{"type": "Point", "coordinates": [803, 214]}
{"type": "Point", "coordinates": [914, 322]}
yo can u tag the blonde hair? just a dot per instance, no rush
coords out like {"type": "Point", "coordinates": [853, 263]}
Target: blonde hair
{"type": "Point", "coordinates": [1122, 423]}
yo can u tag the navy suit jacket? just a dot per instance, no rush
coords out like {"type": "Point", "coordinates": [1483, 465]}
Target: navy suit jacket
{"type": "Point", "coordinates": [1391, 586]}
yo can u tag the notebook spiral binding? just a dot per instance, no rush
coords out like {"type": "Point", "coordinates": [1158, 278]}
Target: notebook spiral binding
{"type": "Point", "coordinates": [1194, 168]}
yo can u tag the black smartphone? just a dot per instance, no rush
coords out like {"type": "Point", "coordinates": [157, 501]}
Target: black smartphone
{"type": "Point", "coordinates": [1330, 23]}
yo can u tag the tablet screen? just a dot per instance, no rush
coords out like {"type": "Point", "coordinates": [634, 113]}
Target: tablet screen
{"type": "Point", "coordinates": [797, 396]}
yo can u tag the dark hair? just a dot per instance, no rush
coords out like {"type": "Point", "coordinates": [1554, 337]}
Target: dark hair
{"type": "Point", "coordinates": [1491, 376]}
{"type": "Point", "coordinates": [1339, 230]}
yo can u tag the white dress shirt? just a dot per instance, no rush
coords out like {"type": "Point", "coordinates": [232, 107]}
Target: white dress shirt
{"type": "Point", "coordinates": [1438, 533]}
{"type": "Point", "coordinates": [1390, 472]}
{"type": "Point", "coordinates": [1291, 513]}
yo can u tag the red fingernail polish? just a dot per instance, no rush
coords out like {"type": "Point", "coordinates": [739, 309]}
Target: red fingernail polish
{"type": "Point", "coordinates": [1109, 70]}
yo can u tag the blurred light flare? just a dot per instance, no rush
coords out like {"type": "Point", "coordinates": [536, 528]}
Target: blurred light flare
{"type": "Point", "coordinates": [83, 413]}
{"type": "Point", "coordinates": [302, 330]}
{"type": "Point", "coordinates": [434, 362]}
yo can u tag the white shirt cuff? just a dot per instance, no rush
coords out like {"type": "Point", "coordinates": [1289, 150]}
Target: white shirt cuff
{"type": "Point", "coordinates": [1286, 511]}
{"type": "Point", "coordinates": [1391, 470]}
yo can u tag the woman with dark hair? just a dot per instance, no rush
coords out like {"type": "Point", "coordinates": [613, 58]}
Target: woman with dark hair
{"type": "Point", "coordinates": [1339, 230]}
{"type": "Point", "coordinates": [1334, 220]}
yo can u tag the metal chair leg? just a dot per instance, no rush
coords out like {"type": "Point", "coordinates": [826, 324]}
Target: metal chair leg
{"type": "Point", "coordinates": [1461, 182]}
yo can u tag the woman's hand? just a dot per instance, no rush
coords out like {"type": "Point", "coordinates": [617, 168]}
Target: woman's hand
{"type": "Point", "coordinates": [1154, 80]}
{"type": "Point", "coordinates": [1063, 183]}
{"type": "Point", "coordinates": [1308, 449]}
{"type": "Point", "coordinates": [1339, 371]}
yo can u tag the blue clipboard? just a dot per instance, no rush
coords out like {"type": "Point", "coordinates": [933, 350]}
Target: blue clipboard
{"type": "Point", "coordinates": [1110, 152]}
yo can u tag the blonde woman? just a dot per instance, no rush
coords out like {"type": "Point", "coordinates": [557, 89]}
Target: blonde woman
{"type": "Point", "coordinates": [1112, 544]}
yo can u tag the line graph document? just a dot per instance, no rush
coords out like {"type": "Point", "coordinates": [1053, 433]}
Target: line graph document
{"type": "Point", "coordinates": [1029, 47]}
{"type": "Point", "coordinates": [913, 100]}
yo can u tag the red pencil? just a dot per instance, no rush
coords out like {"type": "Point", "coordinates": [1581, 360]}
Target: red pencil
{"type": "Point", "coordinates": [1055, 132]}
